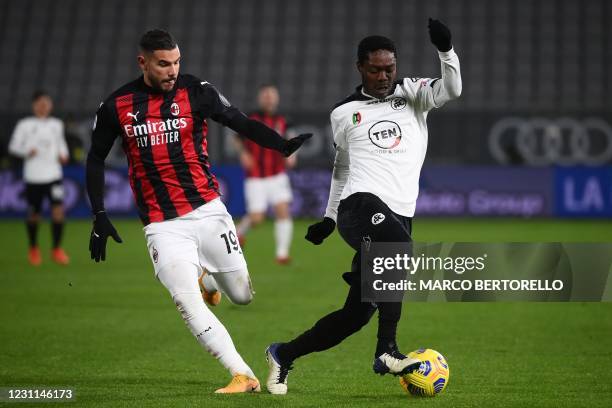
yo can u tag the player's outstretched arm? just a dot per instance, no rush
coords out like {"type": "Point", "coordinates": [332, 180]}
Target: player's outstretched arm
{"type": "Point", "coordinates": [222, 111]}
{"type": "Point", "coordinates": [449, 87]}
{"type": "Point", "coordinates": [102, 141]}
{"type": "Point", "coordinates": [264, 136]}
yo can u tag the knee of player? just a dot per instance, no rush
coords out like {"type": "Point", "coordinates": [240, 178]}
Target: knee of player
{"type": "Point", "coordinates": [243, 298]}
{"type": "Point", "coordinates": [359, 318]}
{"type": "Point", "coordinates": [33, 217]}
{"type": "Point", "coordinates": [256, 219]}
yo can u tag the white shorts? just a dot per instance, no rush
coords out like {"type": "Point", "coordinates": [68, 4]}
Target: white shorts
{"type": "Point", "coordinates": [265, 191]}
{"type": "Point", "coordinates": [205, 237]}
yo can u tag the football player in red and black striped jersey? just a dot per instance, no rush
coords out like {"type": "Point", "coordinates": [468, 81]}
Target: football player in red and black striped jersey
{"type": "Point", "coordinates": [161, 120]}
{"type": "Point", "coordinates": [267, 183]}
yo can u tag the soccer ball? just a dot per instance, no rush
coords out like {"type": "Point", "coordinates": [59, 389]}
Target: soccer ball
{"type": "Point", "coordinates": [432, 376]}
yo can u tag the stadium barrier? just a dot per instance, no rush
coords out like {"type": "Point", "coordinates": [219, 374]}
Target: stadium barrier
{"type": "Point", "coordinates": [478, 191]}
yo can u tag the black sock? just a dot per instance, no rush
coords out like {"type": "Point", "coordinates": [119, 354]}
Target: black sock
{"type": "Point", "coordinates": [389, 314]}
{"type": "Point", "coordinates": [32, 227]}
{"type": "Point", "coordinates": [385, 345]}
{"type": "Point", "coordinates": [56, 232]}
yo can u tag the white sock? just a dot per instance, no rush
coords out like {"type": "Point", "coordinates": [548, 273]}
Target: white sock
{"type": "Point", "coordinates": [244, 225]}
{"type": "Point", "coordinates": [210, 332]}
{"type": "Point", "coordinates": [283, 233]}
{"type": "Point", "coordinates": [181, 280]}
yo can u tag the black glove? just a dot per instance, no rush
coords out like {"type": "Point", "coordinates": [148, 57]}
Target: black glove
{"type": "Point", "coordinates": [321, 230]}
{"type": "Point", "coordinates": [292, 145]}
{"type": "Point", "coordinates": [102, 229]}
{"type": "Point", "coordinates": [440, 35]}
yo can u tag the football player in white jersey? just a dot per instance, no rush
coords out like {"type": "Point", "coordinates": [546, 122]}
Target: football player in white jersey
{"type": "Point", "coordinates": [39, 141]}
{"type": "Point", "coordinates": [380, 134]}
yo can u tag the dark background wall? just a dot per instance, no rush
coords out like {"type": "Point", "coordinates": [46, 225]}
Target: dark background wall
{"type": "Point", "coordinates": [528, 59]}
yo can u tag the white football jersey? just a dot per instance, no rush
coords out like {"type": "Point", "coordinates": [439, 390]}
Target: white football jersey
{"type": "Point", "coordinates": [46, 136]}
{"type": "Point", "coordinates": [381, 143]}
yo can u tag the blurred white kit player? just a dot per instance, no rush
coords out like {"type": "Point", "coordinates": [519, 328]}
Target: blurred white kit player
{"type": "Point", "coordinates": [39, 141]}
{"type": "Point", "coordinates": [267, 184]}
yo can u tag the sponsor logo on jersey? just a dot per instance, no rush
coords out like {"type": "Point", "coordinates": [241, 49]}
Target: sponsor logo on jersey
{"type": "Point", "coordinates": [133, 115]}
{"type": "Point", "coordinates": [356, 118]}
{"type": "Point", "coordinates": [153, 127]}
{"type": "Point", "coordinates": [385, 134]}
{"type": "Point", "coordinates": [174, 109]}
{"type": "Point", "coordinates": [398, 103]}
{"type": "Point", "coordinates": [378, 218]}
{"type": "Point", "coordinates": [155, 255]}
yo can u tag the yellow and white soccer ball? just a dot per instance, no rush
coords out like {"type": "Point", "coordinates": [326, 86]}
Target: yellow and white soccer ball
{"type": "Point", "coordinates": [432, 376]}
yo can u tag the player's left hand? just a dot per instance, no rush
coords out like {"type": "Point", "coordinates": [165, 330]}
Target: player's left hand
{"type": "Point", "coordinates": [321, 230]}
{"type": "Point", "coordinates": [292, 145]}
{"type": "Point", "coordinates": [440, 35]}
{"type": "Point", "coordinates": [102, 229]}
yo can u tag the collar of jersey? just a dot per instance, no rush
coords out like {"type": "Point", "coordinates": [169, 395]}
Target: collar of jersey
{"type": "Point", "coordinates": [362, 92]}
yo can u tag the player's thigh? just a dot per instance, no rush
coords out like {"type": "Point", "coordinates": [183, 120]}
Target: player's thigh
{"type": "Point", "coordinates": [236, 285]}
{"type": "Point", "coordinates": [363, 216]}
{"type": "Point", "coordinates": [55, 193]}
{"type": "Point", "coordinates": [179, 277]}
{"type": "Point", "coordinates": [255, 195]}
{"type": "Point", "coordinates": [218, 247]}
{"type": "Point", "coordinates": [279, 189]}
{"type": "Point", "coordinates": [171, 243]}
{"type": "Point", "coordinates": [34, 194]}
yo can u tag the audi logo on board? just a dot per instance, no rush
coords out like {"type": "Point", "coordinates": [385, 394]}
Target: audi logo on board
{"type": "Point", "coordinates": [543, 141]}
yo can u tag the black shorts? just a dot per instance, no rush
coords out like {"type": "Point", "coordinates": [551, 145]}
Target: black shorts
{"type": "Point", "coordinates": [364, 216]}
{"type": "Point", "coordinates": [35, 193]}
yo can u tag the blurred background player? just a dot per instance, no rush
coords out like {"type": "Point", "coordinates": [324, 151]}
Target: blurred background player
{"type": "Point", "coordinates": [267, 183]}
{"type": "Point", "coordinates": [39, 141]}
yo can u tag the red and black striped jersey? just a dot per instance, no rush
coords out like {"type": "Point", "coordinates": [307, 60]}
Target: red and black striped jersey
{"type": "Point", "coordinates": [267, 162]}
{"type": "Point", "coordinates": [164, 138]}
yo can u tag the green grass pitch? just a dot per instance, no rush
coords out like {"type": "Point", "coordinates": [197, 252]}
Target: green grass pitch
{"type": "Point", "coordinates": [111, 331]}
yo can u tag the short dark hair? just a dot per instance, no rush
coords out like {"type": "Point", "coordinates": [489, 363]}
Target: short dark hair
{"type": "Point", "coordinates": [39, 93]}
{"type": "Point", "coordinates": [157, 39]}
{"type": "Point", "coordinates": [374, 43]}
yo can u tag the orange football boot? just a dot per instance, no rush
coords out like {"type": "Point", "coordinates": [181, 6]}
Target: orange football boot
{"type": "Point", "coordinates": [212, 298]}
{"type": "Point", "coordinates": [240, 383]}
{"type": "Point", "coordinates": [59, 256]}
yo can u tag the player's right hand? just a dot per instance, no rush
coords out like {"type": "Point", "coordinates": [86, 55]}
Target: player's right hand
{"type": "Point", "coordinates": [321, 230]}
{"type": "Point", "coordinates": [102, 229]}
{"type": "Point", "coordinates": [292, 145]}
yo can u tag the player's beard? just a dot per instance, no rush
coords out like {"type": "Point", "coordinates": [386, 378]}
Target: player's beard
{"type": "Point", "coordinates": [162, 85]}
